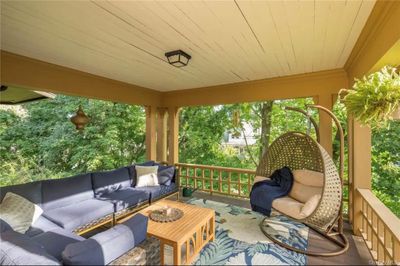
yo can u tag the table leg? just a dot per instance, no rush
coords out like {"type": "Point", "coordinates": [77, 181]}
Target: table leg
{"type": "Point", "coordinates": [177, 254]}
{"type": "Point", "coordinates": [162, 247]}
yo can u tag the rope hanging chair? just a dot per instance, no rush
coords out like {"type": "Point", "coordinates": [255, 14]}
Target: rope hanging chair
{"type": "Point", "coordinates": [299, 151]}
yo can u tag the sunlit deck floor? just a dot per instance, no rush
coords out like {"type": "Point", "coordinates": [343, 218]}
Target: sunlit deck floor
{"type": "Point", "coordinates": [357, 254]}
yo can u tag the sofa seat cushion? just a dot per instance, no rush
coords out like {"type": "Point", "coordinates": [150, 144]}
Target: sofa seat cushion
{"type": "Point", "coordinates": [289, 206]}
{"type": "Point", "coordinates": [124, 198]}
{"type": "Point", "coordinates": [41, 226]}
{"type": "Point", "coordinates": [107, 246]}
{"type": "Point", "coordinates": [158, 191]}
{"type": "Point", "coordinates": [110, 181]}
{"type": "Point", "coordinates": [167, 189]}
{"type": "Point", "coordinates": [58, 193]}
{"type": "Point", "coordinates": [153, 192]}
{"type": "Point", "coordinates": [19, 249]}
{"type": "Point", "coordinates": [80, 213]}
{"type": "Point", "coordinates": [55, 241]}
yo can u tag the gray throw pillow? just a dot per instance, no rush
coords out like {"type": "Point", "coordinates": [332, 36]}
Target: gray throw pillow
{"type": "Point", "coordinates": [165, 174]}
{"type": "Point", "coordinates": [19, 212]}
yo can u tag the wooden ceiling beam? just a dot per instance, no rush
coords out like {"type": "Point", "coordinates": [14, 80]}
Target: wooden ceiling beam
{"type": "Point", "coordinates": [25, 72]}
{"type": "Point", "coordinates": [294, 86]}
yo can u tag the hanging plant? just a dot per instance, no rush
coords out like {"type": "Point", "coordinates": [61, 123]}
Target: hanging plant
{"type": "Point", "coordinates": [375, 99]}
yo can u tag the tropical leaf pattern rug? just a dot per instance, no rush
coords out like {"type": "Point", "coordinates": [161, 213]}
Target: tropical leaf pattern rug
{"type": "Point", "coordinates": [239, 240]}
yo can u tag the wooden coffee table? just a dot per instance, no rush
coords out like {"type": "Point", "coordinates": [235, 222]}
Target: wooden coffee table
{"type": "Point", "coordinates": [186, 236]}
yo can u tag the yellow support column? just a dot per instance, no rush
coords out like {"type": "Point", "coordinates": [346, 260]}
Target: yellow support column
{"type": "Point", "coordinates": [173, 135]}
{"type": "Point", "coordinates": [359, 138]}
{"type": "Point", "coordinates": [325, 121]}
{"type": "Point", "coordinates": [151, 112]}
{"type": "Point", "coordinates": [162, 134]}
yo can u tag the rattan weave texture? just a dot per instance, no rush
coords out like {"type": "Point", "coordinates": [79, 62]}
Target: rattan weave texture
{"type": "Point", "coordinates": [300, 151]}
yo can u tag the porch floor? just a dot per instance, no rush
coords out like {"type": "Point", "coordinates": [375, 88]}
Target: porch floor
{"type": "Point", "coordinates": [357, 254]}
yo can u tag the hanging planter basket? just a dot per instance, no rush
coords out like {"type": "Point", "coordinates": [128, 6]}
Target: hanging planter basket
{"type": "Point", "coordinates": [374, 99]}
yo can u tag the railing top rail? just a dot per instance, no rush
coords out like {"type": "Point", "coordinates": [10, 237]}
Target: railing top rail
{"type": "Point", "coordinates": [391, 221]}
{"type": "Point", "coordinates": [227, 169]}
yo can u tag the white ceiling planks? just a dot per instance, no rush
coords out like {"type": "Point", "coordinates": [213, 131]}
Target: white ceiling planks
{"type": "Point", "coordinates": [229, 41]}
{"type": "Point", "coordinates": [358, 24]}
{"type": "Point", "coordinates": [322, 15]}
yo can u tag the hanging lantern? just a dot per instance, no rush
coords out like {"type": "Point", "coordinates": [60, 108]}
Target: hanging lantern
{"type": "Point", "coordinates": [236, 118]}
{"type": "Point", "coordinates": [80, 119]}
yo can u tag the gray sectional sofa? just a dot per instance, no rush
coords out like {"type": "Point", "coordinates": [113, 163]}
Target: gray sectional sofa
{"type": "Point", "coordinates": [75, 205]}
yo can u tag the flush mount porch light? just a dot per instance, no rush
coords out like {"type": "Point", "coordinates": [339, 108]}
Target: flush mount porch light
{"type": "Point", "coordinates": [178, 58]}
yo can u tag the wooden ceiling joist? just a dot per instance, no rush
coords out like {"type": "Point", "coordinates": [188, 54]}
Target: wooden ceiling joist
{"type": "Point", "coordinates": [33, 74]}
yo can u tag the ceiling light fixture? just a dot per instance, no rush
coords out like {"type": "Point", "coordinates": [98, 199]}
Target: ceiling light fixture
{"type": "Point", "coordinates": [178, 58]}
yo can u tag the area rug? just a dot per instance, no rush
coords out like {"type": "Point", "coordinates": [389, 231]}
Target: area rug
{"type": "Point", "coordinates": [239, 240]}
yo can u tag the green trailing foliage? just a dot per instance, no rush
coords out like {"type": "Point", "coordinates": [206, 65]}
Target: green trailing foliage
{"type": "Point", "coordinates": [374, 97]}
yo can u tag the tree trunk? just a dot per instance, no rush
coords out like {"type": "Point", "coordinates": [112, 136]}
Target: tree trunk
{"type": "Point", "coordinates": [266, 122]}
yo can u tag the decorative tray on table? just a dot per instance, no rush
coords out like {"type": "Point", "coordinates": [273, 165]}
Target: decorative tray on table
{"type": "Point", "coordinates": [165, 215]}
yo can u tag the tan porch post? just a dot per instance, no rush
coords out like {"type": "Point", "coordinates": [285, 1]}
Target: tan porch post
{"type": "Point", "coordinates": [325, 122]}
{"type": "Point", "coordinates": [173, 134]}
{"type": "Point", "coordinates": [151, 112]}
{"type": "Point", "coordinates": [359, 138]}
{"type": "Point", "coordinates": [162, 134]}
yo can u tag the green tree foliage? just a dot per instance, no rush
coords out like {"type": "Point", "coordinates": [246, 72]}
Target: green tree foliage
{"type": "Point", "coordinates": [39, 142]}
{"type": "Point", "coordinates": [202, 130]}
{"type": "Point", "coordinates": [201, 133]}
{"type": "Point", "coordinates": [386, 165]}
{"type": "Point", "coordinates": [43, 143]}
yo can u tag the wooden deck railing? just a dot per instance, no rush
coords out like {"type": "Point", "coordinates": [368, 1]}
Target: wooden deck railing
{"type": "Point", "coordinates": [214, 179]}
{"type": "Point", "coordinates": [380, 229]}
{"type": "Point", "coordinates": [225, 180]}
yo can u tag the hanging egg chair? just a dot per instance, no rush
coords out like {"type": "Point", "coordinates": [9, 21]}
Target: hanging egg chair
{"type": "Point", "coordinates": [299, 151]}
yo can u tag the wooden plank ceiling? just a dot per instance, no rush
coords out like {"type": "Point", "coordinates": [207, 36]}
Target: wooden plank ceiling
{"type": "Point", "coordinates": [229, 41]}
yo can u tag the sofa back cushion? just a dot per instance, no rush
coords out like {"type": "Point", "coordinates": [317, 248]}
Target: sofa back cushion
{"type": "Point", "coordinates": [58, 193]}
{"type": "Point", "coordinates": [55, 241]}
{"type": "Point", "coordinates": [104, 247]}
{"type": "Point", "coordinates": [110, 181]}
{"type": "Point", "coordinates": [4, 226]}
{"type": "Point", "coordinates": [19, 249]}
{"type": "Point", "coordinates": [30, 191]}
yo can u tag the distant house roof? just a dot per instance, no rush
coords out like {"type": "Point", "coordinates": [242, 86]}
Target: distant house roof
{"type": "Point", "coordinates": [240, 140]}
{"type": "Point", "coordinates": [16, 95]}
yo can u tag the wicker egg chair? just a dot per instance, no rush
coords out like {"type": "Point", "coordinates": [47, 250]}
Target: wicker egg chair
{"type": "Point", "coordinates": [300, 151]}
